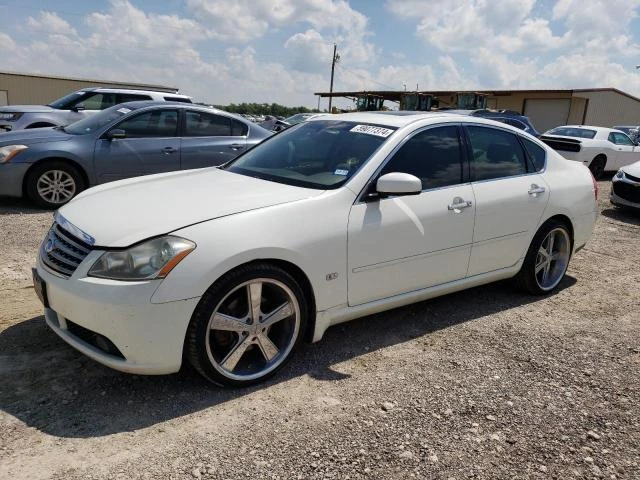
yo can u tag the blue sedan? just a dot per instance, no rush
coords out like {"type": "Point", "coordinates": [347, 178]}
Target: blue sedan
{"type": "Point", "coordinates": [52, 165]}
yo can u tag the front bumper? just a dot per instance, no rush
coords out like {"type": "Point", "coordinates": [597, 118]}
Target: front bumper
{"type": "Point", "coordinates": [149, 336]}
{"type": "Point", "coordinates": [625, 193]}
{"type": "Point", "coordinates": [12, 178]}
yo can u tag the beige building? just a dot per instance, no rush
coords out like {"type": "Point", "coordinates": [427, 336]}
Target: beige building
{"type": "Point", "coordinates": [546, 109]}
{"type": "Point", "coordinates": [31, 89]}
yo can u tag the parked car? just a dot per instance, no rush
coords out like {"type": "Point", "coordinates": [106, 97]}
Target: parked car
{"type": "Point", "coordinates": [76, 106]}
{"type": "Point", "coordinates": [625, 187]}
{"type": "Point", "coordinates": [599, 148]}
{"type": "Point", "coordinates": [342, 216]}
{"type": "Point", "coordinates": [509, 117]}
{"type": "Point", "coordinates": [52, 165]}
{"type": "Point", "coordinates": [632, 130]}
{"type": "Point", "coordinates": [302, 117]}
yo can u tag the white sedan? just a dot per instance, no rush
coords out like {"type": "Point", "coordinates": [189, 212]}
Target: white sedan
{"type": "Point", "coordinates": [333, 219]}
{"type": "Point", "coordinates": [599, 148]}
{"type": "Point", "coordinates": [625, 187]}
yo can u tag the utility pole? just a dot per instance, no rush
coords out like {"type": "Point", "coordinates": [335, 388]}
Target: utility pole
{"type": "Point", "coordinates": [335, 60]}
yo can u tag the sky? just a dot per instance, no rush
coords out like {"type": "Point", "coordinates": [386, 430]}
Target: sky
{"type": "Point", "coordinates": [223, 51]}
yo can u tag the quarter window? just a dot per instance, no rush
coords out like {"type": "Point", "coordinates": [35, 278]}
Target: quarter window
{"type": "Point", "coordinates": [158, 123]}
{"type": "Point", "coordinates": [496, 154]}
{"type": "Point", "coordinates": [433, 155]}
{"type": "Point", "coordinates": [537, 154]}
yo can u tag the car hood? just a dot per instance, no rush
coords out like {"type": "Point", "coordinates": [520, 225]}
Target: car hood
{"type": "Point", "coordinates": [33, 135]}
{"type": "Point", "coordinates": [122, 213]}
{"type": "Point", "coordinates": [27, 108]}
{"type": "Point", "coordinates": [633, 169]}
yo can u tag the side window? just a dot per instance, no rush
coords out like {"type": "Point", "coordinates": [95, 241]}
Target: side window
{"type": "Point", "coordinates": [620, 139]}
{"type": "Point", "coordinates": [514, 123]}
{"type": "Point", "coordinates": [433, 155]}
{"type": "Point", "coordinates": [97, 101]}
{"type": "Point", "coordinates": [200, 124]}
{"type": "Point", "coordinates": [496, 154]}
{"type": "Point", "coordinates": [238, 129]}
{"type": "Point", "coordinates": [537, 154]}
{"type": "Point", "coordinates": [132, 97]}
{"type": "Point", "coordinates": [178, 99]}
{"type": "Point", "coordinates": [158, 123]}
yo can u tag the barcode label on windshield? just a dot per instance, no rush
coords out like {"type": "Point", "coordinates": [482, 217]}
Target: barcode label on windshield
{"type": "Point", "coordinates": [371, 130]}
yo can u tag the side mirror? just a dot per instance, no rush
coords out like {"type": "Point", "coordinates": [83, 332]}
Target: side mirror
{"type": "Point", "coordinates": [78, 108]}
{"type": "Point", "coordinates": [396, 183]}
{"type": "Point", "coordinates": [116, 133]}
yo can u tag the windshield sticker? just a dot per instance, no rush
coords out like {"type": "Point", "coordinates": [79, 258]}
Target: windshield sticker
{"type": "Point", "coordinates": [371, 130]}
{"type": "Point", "coordinates": [341, 172]}
{"type": "Point", "coordinates": [123, 110]}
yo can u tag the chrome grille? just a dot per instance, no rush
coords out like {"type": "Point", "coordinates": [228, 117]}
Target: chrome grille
{"type": "Point", "coordinates": [62, 252]}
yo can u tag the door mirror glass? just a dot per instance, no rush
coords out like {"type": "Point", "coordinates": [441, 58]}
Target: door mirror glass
{"type": "Point", "coordinates": [397, 183]}
{"type": "Point", "coordinates": [116, 133]}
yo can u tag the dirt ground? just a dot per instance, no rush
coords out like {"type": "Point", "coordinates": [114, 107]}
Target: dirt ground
{"type": "Point", "coordinates": [486, 383]}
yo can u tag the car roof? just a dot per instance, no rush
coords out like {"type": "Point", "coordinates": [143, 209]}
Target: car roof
{"type": "Point", "coordinates": [392, 118]}
{"type": "Point", "coordinates": [131, 91]}
{"type": "Point", "coordinates": [588, 127]}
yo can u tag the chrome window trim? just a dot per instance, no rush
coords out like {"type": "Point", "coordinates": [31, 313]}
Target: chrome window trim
{"type": "Point", "coordinates": [361, 197]}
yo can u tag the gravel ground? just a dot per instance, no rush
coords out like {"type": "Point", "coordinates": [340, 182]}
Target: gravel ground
{"type": "Point", "coordinates": [486, 383]}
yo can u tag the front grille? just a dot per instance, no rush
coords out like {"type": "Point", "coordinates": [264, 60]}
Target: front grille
{"type": "Point", "coordinates": [632, 178]}
{"type": "Point", "coordinates": [627, 191]}
{"type": "Point", "coordinates": [62, 252]}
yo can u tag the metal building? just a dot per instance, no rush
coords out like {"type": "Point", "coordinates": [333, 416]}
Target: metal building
{"type": "Point", "coordinates": [32, 89]}
{"type": "Point", "coordinates": [545, 108]}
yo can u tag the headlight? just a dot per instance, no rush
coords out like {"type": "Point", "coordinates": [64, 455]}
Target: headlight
{"type": "Point", "coordinates": [10, 116]}
{"type": "Point", "coordinates": [152, 259]}
{"type": "Point", "coordinates": [620, 174]}
{"type": "Point", "coordinates": [10, 151]}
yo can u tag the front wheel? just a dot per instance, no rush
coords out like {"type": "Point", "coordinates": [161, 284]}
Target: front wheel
{"type": "Point", "coordinates": [54, 183]}
{"type": "Point", "coordinates": [247, 325]}
{"type": "Point", "coordinates": [547, 259]}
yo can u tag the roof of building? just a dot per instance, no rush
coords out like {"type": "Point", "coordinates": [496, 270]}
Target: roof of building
{"type": "Point", "coordinates": [104, 83]}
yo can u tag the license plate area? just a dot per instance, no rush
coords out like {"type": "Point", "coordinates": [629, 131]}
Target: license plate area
{"type": "Point", "coordinates": [40, 287]}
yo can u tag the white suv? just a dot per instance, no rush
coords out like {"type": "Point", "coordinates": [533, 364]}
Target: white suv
{"type": "Point", "coordinates": [75, 106]}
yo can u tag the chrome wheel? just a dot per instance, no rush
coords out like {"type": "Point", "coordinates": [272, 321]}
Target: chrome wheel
{"type": "Point", "coordinates": [253, 329]}
{"type": "Point", "coordinates": [56, 186]}
{"type": "Point", "coordinates": [552, 259]}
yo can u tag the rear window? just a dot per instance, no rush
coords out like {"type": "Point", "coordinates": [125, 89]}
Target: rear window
{"type": "Point", "coordinates": [572, 132]}
{"type": "Point", "coordinates": [178, 99]}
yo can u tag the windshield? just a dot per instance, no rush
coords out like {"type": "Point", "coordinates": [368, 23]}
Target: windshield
{"type": "Point", "coordinates": [97, 121]}
{"type": "Point", "coordinates": [68, 100]}
{"type": "Point", "coordinates": [572, 132]}
{"type": "Point", "coordinates": [321, 154]}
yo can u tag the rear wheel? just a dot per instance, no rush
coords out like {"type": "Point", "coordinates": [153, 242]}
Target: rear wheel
{"type": "Point", "coordinates": [247, 325]}
{"type": "Point", "coordinates": [597, 166]}
{"type": "Point", "coordinates": [52, 184]}
{"type": "Point", "coordinates": [547, 259]}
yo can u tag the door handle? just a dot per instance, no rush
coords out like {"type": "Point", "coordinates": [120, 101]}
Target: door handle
{"type": "Point", "coordinates": [458, 204]}
{"type": "Point", "coordinates": [535, 190]}
{"type": "Point", "coordinates": [168, 150]}
{"type": "Point", "coordinates": [236, 146]}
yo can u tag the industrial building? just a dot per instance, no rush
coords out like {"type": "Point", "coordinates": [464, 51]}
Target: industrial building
{"type": "Point", "coordinates": [545, 108]}
{"type": "Point", "coordinates": [32, 89]}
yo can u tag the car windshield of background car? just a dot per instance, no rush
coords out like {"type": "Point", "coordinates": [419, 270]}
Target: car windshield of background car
{"type": "Point", "coordinates": [97, 121]}
{"type": "Point", "coordinates": [67, 101]}
{"type": "Point", "coordinates": [321, 154]}
{"type": "Point", "coordinates": [573, 132]}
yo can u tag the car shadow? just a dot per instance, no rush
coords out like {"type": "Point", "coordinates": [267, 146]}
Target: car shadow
{"type": "Point", "coordinates": [49, 386]}
{"type": "Point", "coordinates": [626, 215]}
{"type": "Point", "coordinates": [11, 205]}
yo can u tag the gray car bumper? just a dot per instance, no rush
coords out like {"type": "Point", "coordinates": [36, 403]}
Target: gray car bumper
{"type": "Point", "coordinates": [11, 178]}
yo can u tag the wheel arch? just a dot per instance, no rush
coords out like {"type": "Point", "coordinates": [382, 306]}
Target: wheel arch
{"type": "Point", "coordinates": [600, 155]}
{"type": "Point", "coordinates": [560, 217]}
{"type": "Point", "coordinates": [72, 163]}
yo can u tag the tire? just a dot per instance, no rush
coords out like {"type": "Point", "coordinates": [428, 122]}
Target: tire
{"type": "Point", "coordinates": [541, 274]}
{"type": "Point", "coordinates": [52, 184]}
{"type": "Point", "coordinates": [229, 341]}
{"type": "Point", "coordinates": [597, 166]}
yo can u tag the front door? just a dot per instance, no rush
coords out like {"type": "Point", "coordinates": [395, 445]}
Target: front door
{"type": "Point", "coordinates": [407, 243]}
{"type": "Point", "coordinates": [151, 145]}
{"type": "Point", "coordinates": [510, 197]}
{"type": "Point", "coordinates": [626, 152]}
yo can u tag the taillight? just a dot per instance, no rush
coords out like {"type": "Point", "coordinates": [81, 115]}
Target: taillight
{"type": "Point", "coordinates": [595, 187]}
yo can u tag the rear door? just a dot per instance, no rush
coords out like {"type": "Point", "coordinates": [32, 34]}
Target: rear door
{"type": "Point", "coordinates": [209, 139]}
{"type": "Point", "coordinates": [510, 195]}
{"type": "Point", "coordinates": [151, 146]}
